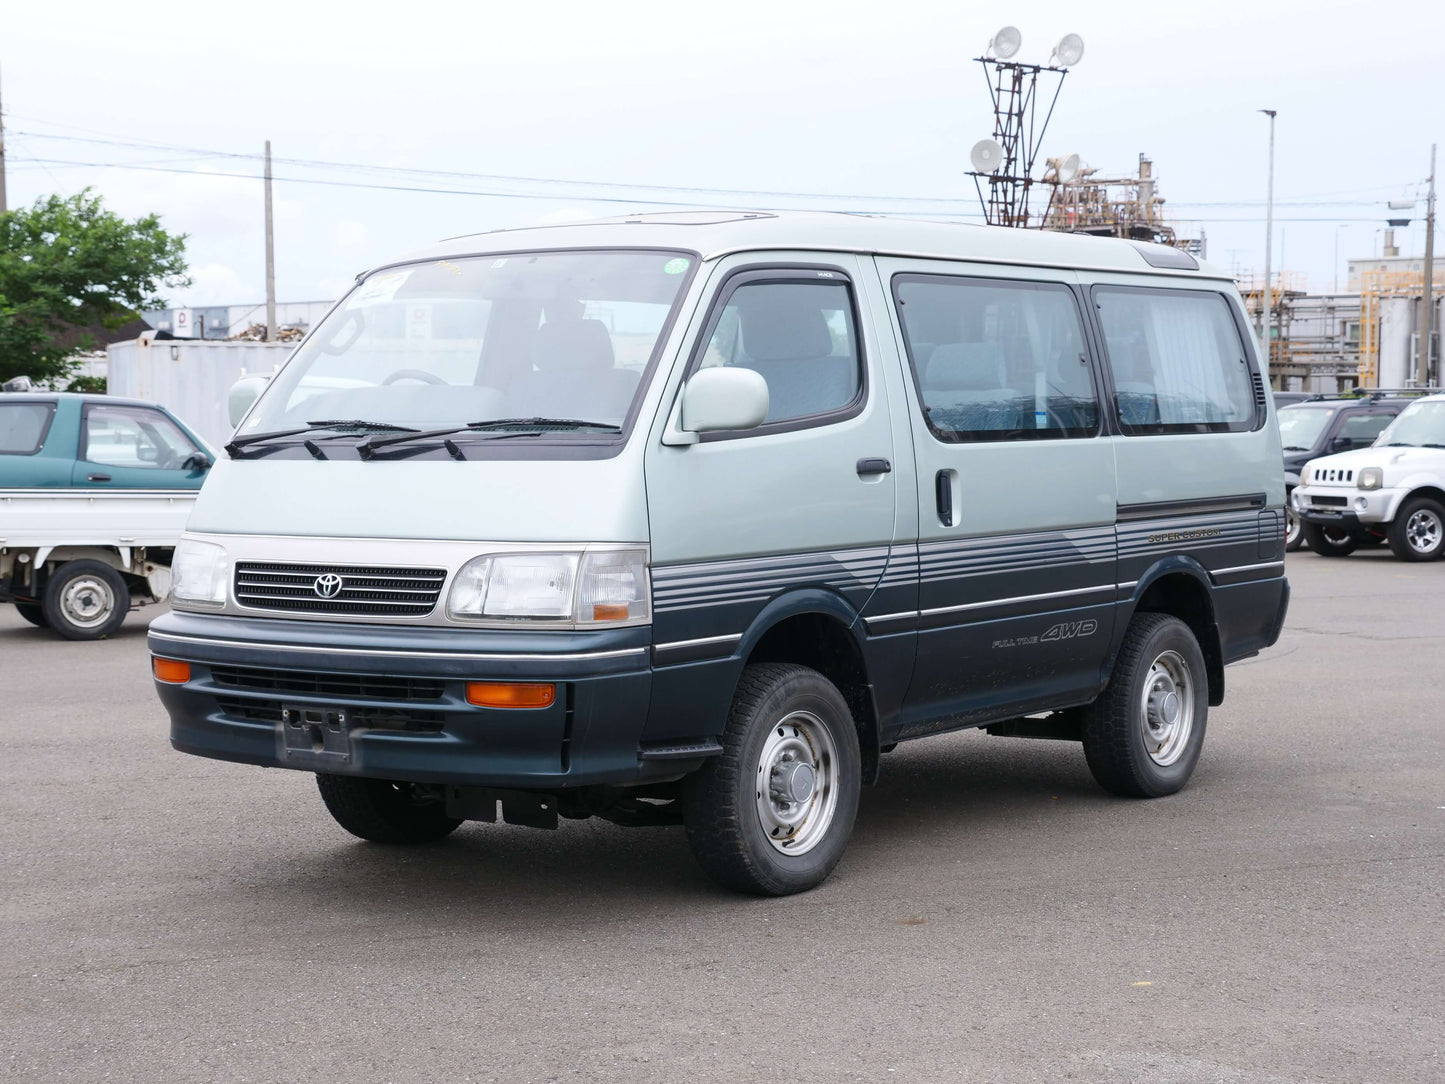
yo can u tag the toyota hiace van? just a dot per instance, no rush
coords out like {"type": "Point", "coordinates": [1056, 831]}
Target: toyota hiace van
{"type": "Point", "coordinates": [691, 518]}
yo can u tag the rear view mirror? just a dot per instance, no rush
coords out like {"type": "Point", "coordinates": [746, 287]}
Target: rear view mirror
{"type": "Point", "coordinates": [724, 398]}
{"type": "Point", "coordinates": [197, 461]}
{"type": "Point", "coordinates": [243, 395]}
{"type": "Point", "coordinates": [1341, 444]}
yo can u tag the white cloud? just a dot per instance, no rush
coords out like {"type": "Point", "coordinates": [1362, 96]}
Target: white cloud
{"type": "Point", "coordinates": [215, 284]}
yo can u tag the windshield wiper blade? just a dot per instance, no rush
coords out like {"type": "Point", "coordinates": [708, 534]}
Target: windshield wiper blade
{"type": "Point", "coordinates": [1294, 448]}
{"type": "Point", "coordinates": [368, 448]}
{"type": "Point", "coordinates": [552, 423]}
{"type": "Point", "coordinates": [237, 443]}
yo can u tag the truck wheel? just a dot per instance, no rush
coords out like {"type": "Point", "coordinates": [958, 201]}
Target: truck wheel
{"type": "Point", "coordinates": [85, 600]}
{"type": "Point", "coordinates": [1293, 537]}
{"type": "Point", "coordinates": [33, 612]}
{"type": "Point", "coordinates": [384, 811]}
{"type": "Point", "coordinates": [1143, 735]}
{"type": "Point", "coordinates": [772, 814]}
{"type": "Point", "coordinates": [1329, 541]}
{"type": "Point", "coordinates": [1418, 530]}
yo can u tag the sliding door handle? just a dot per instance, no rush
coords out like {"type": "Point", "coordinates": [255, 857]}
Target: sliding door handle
{"type": "Point", "coordinates": [875, 465]}
{"type": "Point", "coordinates": [943, 491]}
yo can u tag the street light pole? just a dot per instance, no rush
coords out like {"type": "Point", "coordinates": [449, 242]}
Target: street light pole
{"type": "Point", "coordinates": [1427, 295]}
{"type": "Point", "coordinates": [1265, 305]}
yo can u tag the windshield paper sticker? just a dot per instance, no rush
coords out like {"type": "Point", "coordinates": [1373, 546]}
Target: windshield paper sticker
{"type": "Point", "coordinates": [379, 289]}
{"type": "Point", "coordinates": [675, 266]}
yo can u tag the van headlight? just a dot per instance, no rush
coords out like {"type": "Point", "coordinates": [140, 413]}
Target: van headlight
{"type": "Point", "coordinates": [199, 571]}
{"type": "Point", "coordinates": [1370, 478]}
{"type": "Point", "coordinates": [593, 587]}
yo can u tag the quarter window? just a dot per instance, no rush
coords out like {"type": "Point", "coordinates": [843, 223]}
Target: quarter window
{"type": "Point", "coordinates": [1362, 429]}
{"type": "Point", "coordinates": [800, 337]}
{"type": "Point", "coordinates": [1178, 361]}
{"type": "Point", "coordinates": [23, 426]}
{"type": "Point", "coordinates": [997, 360]}
{"type": "Point", "coordinates": [134, 437]}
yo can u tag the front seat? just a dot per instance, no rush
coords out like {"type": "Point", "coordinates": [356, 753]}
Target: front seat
{"type": "Point", "coordinates": [785, 338]}
{"type": "Point", "coordinates": [573, 375]}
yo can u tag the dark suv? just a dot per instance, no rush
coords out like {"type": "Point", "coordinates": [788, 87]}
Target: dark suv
{"type": "Point", "coordinates": [1326, 425]}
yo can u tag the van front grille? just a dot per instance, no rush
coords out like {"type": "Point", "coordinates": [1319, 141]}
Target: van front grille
{"type": "Point", "coordinates": [319, 683]}
{"type": "Point", "coordinates": [360, 718]}
{"type": "Point", "coordinates": [338, 589]}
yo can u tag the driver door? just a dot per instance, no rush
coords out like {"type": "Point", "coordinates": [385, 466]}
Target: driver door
{"type": "Point", "coordinates": [133, 447]}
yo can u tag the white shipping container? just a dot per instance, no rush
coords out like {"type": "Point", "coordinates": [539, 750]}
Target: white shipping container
{"type": "Point", "coordinates": [190, 377]}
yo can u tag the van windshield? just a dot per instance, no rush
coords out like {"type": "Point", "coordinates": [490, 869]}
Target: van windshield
{"type": "Point", "coordinates": [555, 335]}
{"type": "Point", "coordinates": [1420, 425]}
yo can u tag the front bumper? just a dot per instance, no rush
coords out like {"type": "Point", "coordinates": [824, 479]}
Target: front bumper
{"type": "Point", "coordinates": [398, 697]}
{"type": "Point", "coordinates": [1318, 504]}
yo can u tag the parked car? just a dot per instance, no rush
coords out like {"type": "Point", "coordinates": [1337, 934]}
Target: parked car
{"type": "Point", "coordinates": [94, 494]}
{"type": "Point", "coordinates": [690, 518]}
{"type": "Point", "coordinates": [1393, 489]}
{"type": "Point", "coordinates": [1283, 399]}
{"type": "Point", "coordinates": [1323, 426]}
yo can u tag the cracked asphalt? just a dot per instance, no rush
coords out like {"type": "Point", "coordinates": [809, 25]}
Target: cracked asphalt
{"type": "Point", "coordinates": [997, 917]}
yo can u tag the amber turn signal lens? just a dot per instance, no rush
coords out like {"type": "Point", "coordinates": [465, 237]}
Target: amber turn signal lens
{"type": "Point", "coordinates": [609, 611]}
{"type": "Point", "coordinates": [171, 671]}
{"type": "Point", "coordinates": [510, 694]}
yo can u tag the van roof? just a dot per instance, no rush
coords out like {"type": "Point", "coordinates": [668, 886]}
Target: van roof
{"type": "Point", "coordinates": [712, 234]}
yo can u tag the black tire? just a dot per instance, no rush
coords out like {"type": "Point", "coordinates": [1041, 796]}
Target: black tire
{"type": "Point", "coordinates": [722, 802]}
{"type": "Point", "coordinates": [1418, 530]}
{"type": "Point", "coordinates": [1117, 733]}
{"type": "Point", "coordinates": [1294, 536]}
{"type": "Point", "coordinates": [1329, 541]}
{"type": "Point", "coordinates": [384, 811]}
{"type": "Point", "coordinates": [85, 600]}
{"type": "Point", "coordinates": [33, 612]}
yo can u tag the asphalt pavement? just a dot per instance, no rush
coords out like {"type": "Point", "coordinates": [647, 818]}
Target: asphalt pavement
{"type": "Point", "coordinates": [996, 918]}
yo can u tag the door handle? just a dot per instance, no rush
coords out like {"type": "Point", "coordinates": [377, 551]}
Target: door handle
{"type": "Point", "coordinates": [874, 465]}
{"type": "Point", "coordinates": [943, 491]}
{"type": "Point", "coordinates": [97, 477]}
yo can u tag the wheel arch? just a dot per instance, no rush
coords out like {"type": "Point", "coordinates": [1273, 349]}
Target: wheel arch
{"type": "Point", "coordinates": [1180, 587]}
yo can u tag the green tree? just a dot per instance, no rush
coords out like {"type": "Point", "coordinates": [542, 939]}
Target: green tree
{"type": "Point", "coordinates": [69, 264]}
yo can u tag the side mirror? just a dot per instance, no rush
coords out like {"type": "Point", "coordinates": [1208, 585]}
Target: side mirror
{"type": "Point", "coordinates": [724, 398]}
{"type": "Point", "coordinates": [1341, 444]}
{"type": "Point", "coordinates": [197, 461]}
{"type": "Point", "coordinates": [243, 395]}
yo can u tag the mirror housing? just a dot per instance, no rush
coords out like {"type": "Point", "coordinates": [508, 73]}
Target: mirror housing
{"type": "Point", "coordinates": [197, 461]}
{"type": "Point", "coordinates": [724, 398]}
{"type": "Point", "coordinates": [1342, 444]}
{"type": "Point", "coordinates": [243, 396]}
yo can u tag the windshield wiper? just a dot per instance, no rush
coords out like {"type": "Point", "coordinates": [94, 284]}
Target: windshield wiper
{"type": "Point", "coordinates": [1401, 444]}
{"type": "Point", "coordinates": [1294, 448]}
{"type": "Point", "coordinates": [546, 423]}
{"type": "Point", "coordinates": [238, 443]}
{"type": "Point", "coordinates": [525, 427]}
{"type": "Point", "coordinates": [368, 448]}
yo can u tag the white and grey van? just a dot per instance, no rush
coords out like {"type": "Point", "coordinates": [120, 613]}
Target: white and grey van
{"type": "Point", "coordinates": [690, 518]}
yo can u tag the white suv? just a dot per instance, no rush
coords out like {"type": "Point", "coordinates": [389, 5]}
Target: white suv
{"type": "Point", "coordinates": [1394, 490]}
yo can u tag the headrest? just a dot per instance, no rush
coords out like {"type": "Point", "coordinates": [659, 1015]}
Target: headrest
{"type": "Point", "coordinates": [965, 367]}
{"type": "Point", "coordinates": [778, 324]}
{"type": "Point", "coordinates": [571, 346]}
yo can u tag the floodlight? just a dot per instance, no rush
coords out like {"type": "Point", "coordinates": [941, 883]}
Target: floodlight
{"type": "Point", "coordinates": [1069, 51]}
{"type": "Point", "coordinates": [1065, 168]}
{"type": "Point", "coordinates": [1006, 42]}
{"type": "Point", "coordinates": [986, 155]}
{"type": "Point", "coordinates": [1401, 204]}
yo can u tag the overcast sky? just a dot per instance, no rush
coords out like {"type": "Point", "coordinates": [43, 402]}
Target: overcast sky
{"type": "Point", "coordinates": [858, 106]}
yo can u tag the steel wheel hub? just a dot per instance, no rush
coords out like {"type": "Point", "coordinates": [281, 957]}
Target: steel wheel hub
{"type": "Point", "coordinates": [797, 783]}
{"type": "Point", "coordinates": [1422, 530]}
{"type": "Point", "coordinates": [87, 601]}
{"type": "Point", "coordinates": [1167, 707]}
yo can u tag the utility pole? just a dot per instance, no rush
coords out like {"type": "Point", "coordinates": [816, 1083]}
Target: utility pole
{"type": "Point", "coordinates": [1427, 295]}
{"type": "Point", "coordinates": [1265, 305]}
{"type": "Point", "coordinates": [3, 205]}
{"type": "Point", "coordinates": [270, 256]}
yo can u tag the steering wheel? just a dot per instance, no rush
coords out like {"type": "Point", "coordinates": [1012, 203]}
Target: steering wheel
{"type": "Point", "coordinates": [412, 374]}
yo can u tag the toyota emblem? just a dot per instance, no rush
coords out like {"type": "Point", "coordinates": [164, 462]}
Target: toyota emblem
{"type": "Point", "coordinates": [327, 586]}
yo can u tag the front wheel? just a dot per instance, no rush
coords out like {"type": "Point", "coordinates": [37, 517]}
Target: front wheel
{"type": "Point", "coordinates": [772, 814]}
{"type": "Point", "coordinates": [85, 600]}
{"type": "Point", "coordinates": [383, 811]}
{"type": "Point", "coordinates": [1418, 530]}
{"type": "Point", "coordinates": [1329, 541]}
{"type": "Point", "coordinates": [1142, 737]}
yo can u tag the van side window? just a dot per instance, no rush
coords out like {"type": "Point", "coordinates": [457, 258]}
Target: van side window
{"type": "Point", "coordinates": [997, 360]}
{"type": "Point", "coordinates": [800, 337]}
{"type": "Point", "coordinates": [1178, 361]}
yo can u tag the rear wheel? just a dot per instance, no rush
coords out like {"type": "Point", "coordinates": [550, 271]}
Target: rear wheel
{"type": "Point", "coordinates": [1143, 736]}
{"type": "Point", "coordinates": [85, 600]}
{"type": "Point", "coordinates": [1418, 530]}
{"type": "Point", "coordinates": [1293, 537]}
{"type": "Point", "coordinates": [384, 811]}
{"type": "Point", "coordinates": [33, 612]}
{"type": "Point", "coordinates": [772, 814]}
{"type": "Point", "coordinates": [1329, 541]}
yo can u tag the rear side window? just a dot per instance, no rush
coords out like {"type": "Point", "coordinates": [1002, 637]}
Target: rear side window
{"type": "Point", "coordinates": [23, 427]}
{"type": "Point", "coordinates": [1178, 361]}
{"type": "Point", "coordinates": [997, 360]}
{"type": "Point", "coordinates": [800, 337]}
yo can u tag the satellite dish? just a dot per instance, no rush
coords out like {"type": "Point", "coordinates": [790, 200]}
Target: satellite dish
{"type": "Point", "coordinates": [1070, 50]}
{"type": "Point", "coordinates": [1066, 168]}
{"type": "Point", "coordinates": [1006, 42]}
{"type": "Point", "coordinates": [986, 155]}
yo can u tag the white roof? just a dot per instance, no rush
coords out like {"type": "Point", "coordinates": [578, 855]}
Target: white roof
{"type": "Point", "coordinates": [717, 233]}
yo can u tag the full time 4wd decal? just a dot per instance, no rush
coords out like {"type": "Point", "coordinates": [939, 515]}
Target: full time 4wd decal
{"type": "Point", "coordinates": [1064, 630]}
